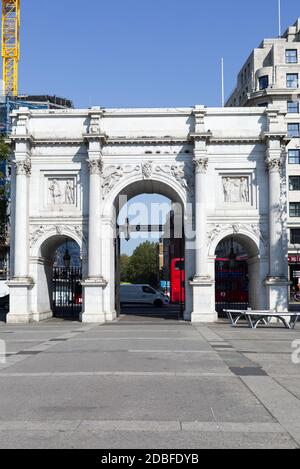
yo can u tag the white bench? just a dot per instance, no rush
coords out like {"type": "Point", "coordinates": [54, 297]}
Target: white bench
{"type": "Point", "coordinates": [289, 319]}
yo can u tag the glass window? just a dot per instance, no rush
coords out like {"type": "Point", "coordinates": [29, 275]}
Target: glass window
{"type": "Point", "coordinates": [293, 107]}
{"type": "Point", "coordinates": [295, 236]}
{"type": "Point", "coordinates": [294, 156]}
{"type": "Point", "coordinates": [294, 183]}
{"type": "Point", "coordinates": [295, 209]}
{"type": "Point", "coordinates": [263, 82]}
{"type": "Point", "coordinates": [149, 290]}
{"type": "Point", "coordinates": [293, 130]}
{"type": "Point", "coordinates": [291, 56]}
{"type": "Point", "coordinates": [292, 80]}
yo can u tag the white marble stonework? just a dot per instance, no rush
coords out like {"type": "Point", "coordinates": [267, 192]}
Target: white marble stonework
{"type": "Point", "coordinates": [224, 166]}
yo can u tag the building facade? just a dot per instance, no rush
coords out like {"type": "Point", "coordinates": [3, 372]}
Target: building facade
{"type": "Point", "coordinates": [224, 167]}
{"type": "Point", "coordinates": [271, 76]}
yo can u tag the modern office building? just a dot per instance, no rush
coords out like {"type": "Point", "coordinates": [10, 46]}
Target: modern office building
{"type": "Point", "coordinates": [271, 75]}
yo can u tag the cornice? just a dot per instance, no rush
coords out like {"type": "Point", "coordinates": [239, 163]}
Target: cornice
{"type": "Point", "coordinates": [20, 137]}
{"type": "Point", "coordinates": [146, 140]}
{"type": "Point", "coordinates": [228, 140]}
{"type": "Point", "coordinates": [95, 137]}
{"type": "Point", "coordinates": [282, 136]}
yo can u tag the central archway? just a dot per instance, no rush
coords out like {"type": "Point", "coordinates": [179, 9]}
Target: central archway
{"type": "Point", "coordinates": [178, 197]}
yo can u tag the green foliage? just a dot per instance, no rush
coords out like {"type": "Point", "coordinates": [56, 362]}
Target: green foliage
{"type": "Point", "coordinates": [141, 267]}
{"type": "Point", "coordinates": [124, 262]}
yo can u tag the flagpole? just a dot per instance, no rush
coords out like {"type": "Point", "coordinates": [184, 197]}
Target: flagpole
{"type": "Point", "coordinates": [279, 17]}
{"type": "Point", "coordinates": [222, 72]}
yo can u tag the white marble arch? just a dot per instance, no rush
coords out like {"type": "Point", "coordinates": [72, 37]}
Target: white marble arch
{"type": "Point", "coordinates": [131, 187]}
{"type": "Point", "coordinates": [257, 261]}
{"type": "Point", "coordinates": [41, 269]}
{"type": "Point", "coordinates": [146, 150]}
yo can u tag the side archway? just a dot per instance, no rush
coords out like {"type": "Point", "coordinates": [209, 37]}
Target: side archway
{"type": "Point", "coordinates": [240, 268]}
{"type": "Point", "coordinates": [43, 257]}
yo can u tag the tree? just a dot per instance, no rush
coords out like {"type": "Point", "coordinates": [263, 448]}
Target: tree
{"type": "Point", "coordinates": [124, 263]}
{"type": "Point", "coordinates": [143, 264]}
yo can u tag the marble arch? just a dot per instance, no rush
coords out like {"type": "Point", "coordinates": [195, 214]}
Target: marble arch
{"type": "Point", "coordinates": [225, 166]}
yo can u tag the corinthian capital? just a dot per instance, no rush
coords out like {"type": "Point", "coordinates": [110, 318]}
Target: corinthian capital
{"type": "Point", "coordinates": [273, 164]}
{"type": "Point", "coordinates": [23, 167]}
{"type": "Point", "coordinates": [95, 166]}
{"type": "Point", "coordinates": [200, 165]}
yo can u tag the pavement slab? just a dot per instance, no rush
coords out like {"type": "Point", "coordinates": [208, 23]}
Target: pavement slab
{"type": "Point", "coordinates": [148, 383]}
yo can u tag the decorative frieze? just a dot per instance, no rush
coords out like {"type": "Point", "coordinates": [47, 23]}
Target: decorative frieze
{"type": "Point", "coordinates": [36, 232]}
{"type": "Point", "coordinates": [115, 173]}
{"type": "Point", "coordinates": [215, 230]}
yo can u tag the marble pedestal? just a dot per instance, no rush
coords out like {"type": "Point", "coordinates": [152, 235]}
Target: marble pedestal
{"type": "Point", "coordinates": [93, 301]}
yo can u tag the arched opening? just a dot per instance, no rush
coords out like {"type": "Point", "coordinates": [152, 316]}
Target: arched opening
{"type": "Point", "coordinates": [59, 278]}
{"type": "Point", "coordinates": [149, 252]}
{"type": "Point", "coordinates": [237, 274]}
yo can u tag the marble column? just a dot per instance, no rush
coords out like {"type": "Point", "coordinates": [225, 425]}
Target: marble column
{"type": "Point", "coordinates": [93, 286]}
{"type": "Point", "coordinates": [19, 310]}
{"type": "Point", "coordinates": [203, 291]}
{"type": "Point", "coordinates": [276, 281]}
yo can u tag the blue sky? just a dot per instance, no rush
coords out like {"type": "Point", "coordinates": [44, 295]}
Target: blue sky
{"type": "Point", "coordinates": [127, 53]}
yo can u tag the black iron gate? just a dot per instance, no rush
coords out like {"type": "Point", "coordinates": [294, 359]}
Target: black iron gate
{"type": "Point", "coordinates": [67, 292]}
{"type": "Point", "coordinates": [232, 285]}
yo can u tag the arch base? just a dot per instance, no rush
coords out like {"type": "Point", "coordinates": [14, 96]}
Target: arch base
{"type": "Point", "coordinates": [203, 300]}
{"type": "Point", "coordinates": [19, 309]}
{"type": "Point", "coordinates": [277, 288]}
{"type": "Point", "coordinates": [93, 301]}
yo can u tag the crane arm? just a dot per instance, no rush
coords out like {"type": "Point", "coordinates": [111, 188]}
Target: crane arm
{"type": "Point", "coordinates": [10, 45]}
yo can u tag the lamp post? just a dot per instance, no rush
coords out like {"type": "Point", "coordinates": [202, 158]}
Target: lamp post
{"type": "Point", "coordinates": [67, 257]}
{"type": "Point", "coordinates": [232, 256]}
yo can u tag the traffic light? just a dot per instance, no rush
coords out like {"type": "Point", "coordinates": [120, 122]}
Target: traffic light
{"type": "Point", "coordinates": [163, 273]}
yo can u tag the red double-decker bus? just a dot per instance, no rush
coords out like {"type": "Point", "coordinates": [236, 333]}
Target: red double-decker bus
{"type": "Point", "coordinates": [177, 278]}
{"type": "Point", "coordinates": [231, 281]}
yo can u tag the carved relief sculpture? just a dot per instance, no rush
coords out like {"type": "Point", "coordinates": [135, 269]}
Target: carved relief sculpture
{"type": "Point", "coordinates": [69, 193]}
{"type": "Point", "coordinates": [147, 169]}
{"type": "Point", "coordinates": [201, 165]}
{"type": "Point", "coordinates": [55, 192]}
{"type": "Point", "coordinates": [62, 192]}
{"type": "Point", "coordinates": [236, 190]}
{"type": "Point", "coordinates": [113, 174]}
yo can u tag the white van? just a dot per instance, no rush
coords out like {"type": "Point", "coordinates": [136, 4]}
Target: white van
{"type": "Point", "coordinates": [142, 294]}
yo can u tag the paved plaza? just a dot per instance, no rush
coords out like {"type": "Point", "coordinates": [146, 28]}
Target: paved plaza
{"type": "Point", "coordinates": [148, 382]}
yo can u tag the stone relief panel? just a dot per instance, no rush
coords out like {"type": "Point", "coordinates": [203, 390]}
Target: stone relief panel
{"type": "Point", "coordinates": [254, 228]}
{"type": "Point", "coordinates": [60, 192]}
{"type": "Point", "coordinates": [36, 232]}
{"type": "Point", "coordinates": [236, 190]}
{"type": "Point", "coordinates": [181, 173]}
{"type": "Point", "coordinates": [113, 174]}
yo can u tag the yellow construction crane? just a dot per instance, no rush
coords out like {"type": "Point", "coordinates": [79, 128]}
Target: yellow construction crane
{"type": "Point", "coordinates": [10, 45]}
